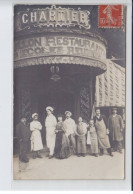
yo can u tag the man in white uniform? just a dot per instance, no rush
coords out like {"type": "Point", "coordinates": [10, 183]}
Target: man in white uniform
{"type": "Point", "coordinates": [50, 124]}
{"type": "Point", "coordinates": [36, 139]}
{"type": "Point", "coordinates": [70, 128]}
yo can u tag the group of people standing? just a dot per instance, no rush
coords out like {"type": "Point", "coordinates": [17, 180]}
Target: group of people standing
{"type": "Point", "coordinates": [64, 137]}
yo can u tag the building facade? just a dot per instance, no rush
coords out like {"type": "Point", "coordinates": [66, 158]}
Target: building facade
{"type": "Point", "coordinates": [59, 62]}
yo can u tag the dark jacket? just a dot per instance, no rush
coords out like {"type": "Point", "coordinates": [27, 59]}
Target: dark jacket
{"type": "Point", "coordinates": [23, 132]}
{"type": "Point", "coordinates": [115, 126]}
{"type": "Point", "coordinates": [100, 118]}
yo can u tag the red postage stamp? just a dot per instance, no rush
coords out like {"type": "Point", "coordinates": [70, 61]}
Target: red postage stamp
{"type": "Point", "coordinates": [110, 16]}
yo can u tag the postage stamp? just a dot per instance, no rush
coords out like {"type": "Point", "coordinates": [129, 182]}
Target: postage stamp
{"type": "Point", "coordinates": [110, 16]}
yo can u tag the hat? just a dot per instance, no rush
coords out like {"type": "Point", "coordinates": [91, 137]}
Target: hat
{"type": "Point", "coordinates": [49, 108]}
{"type": "Point", "coordinates": [68, 112]}
{"type": "Point", "coordinates": [34, 114]}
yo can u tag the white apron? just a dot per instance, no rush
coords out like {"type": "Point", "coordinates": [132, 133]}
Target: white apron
{"type": "Point", "coordinates": [102, 136]}
{"type": "Point", "coordinates": [69, 126]}
{"type": "Point", "coordinates": [50, 124]}
{"type": "Point", "coordinates": [88, 138]}
{"type": "Point", "coordinates": [36, 139]}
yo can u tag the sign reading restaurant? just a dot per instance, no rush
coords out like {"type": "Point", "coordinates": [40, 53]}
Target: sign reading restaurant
{"type": "Point", "coordinates": [52, 16]}
{"type": "Point", "coordinates": [59, 45]}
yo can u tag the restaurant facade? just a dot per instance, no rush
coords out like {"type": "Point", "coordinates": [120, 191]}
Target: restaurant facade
{"type": "Point", "coordinates": [57, 62]}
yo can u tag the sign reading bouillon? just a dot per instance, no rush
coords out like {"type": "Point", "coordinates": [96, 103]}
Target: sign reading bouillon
{"type": "Point", "coordinates": [59, 46]}
{"type": "Point", "coordinates": [52, 16]}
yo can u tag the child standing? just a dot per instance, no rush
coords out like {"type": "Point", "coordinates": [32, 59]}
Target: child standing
{"type": "Point", "coordinates": [81, 131]}
{"type": "Point", "coordinates": [93, 138]}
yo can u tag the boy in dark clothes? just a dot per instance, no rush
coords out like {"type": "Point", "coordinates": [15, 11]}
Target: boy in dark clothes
{"type": "Point", "coordinates": [23, 135]}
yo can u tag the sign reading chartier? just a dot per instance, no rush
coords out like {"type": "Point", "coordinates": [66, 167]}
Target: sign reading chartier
{"type": "Point", "coordinates": [52, 16]}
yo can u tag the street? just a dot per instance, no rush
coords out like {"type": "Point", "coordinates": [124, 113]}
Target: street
{"type": "Point", "coordinates": [89, 167]}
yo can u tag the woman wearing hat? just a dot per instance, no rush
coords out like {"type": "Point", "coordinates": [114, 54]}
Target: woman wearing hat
{"type": "Point", "coordinates": [36, 139]}
{"type": "Point", "coordinates": [50, 124]}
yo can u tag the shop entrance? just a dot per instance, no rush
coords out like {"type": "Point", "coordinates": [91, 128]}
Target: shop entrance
{"type": "Point", "coordinates": [61, 94]}
{"type": "Point", "coordinates": [59, 101]}
{"type": "Point", "coordinates": [35, 90]}
{"type": "Point", "coordinates": [58, 95]}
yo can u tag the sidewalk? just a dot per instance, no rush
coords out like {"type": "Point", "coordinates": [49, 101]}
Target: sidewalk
{"type": "Point", "coordinates": [89, 167]}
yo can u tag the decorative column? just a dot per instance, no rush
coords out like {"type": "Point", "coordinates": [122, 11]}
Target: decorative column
{"type": "Point", "coordinates": [85, 103]}
{"type": "Point", "coordinates": [87, 97]}
{"type": "Point", "coordinates": [92, 86]}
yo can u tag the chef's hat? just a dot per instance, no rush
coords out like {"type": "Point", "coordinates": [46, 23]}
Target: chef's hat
{"type": "Point", "coordinates": [68, 112]}
{"type": "Point", "coordinates": [34, 114]}
{"type": "Point", "coordinates": [49, 108]}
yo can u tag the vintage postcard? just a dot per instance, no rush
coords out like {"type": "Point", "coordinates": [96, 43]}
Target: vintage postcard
{"type": "Point", "coordinates": [69, 92]}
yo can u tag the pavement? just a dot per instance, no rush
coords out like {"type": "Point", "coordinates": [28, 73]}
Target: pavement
{"type": "Point", "coordinates": [89, 167]}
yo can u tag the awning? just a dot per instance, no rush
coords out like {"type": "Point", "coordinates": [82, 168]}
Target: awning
{"type": "Point", "coordinates": [60, 49]}
{"type": "Point", "coordinates": [110, 86]}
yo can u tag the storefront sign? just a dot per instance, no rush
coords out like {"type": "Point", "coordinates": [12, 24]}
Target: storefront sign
{"type": "Point", "coordinates": [59, 46]}
{"type": "Point", "coordinates": [60, 60]}
{"type": "Point", "coordinates": [54, 16]}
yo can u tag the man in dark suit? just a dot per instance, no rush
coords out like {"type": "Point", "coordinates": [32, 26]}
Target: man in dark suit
{"type": "Point", "coordinates": [23, 135]}
{"type": "Point", "coordinates": [116, 126]}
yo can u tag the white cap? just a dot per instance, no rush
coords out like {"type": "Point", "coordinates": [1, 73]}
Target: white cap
{"type": "Point", "coordinates": [34, 114]}
{"type": "Point", "coordinates": [49, 108]}
{"type": "Point", "coordinates": [68, 112]}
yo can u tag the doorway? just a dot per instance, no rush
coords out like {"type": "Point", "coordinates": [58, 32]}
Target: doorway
{"type": "Point", "coordinates": [56, 95]}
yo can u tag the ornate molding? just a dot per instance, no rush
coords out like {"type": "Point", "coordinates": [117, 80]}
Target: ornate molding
{"type": "Point", "coordinates": [51, 17]}
{"type": "Point", "coordinates": [61, 60]}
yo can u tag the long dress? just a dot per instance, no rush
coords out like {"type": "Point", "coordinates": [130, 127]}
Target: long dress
{"type": "Point", "coordinates": [103, 139]}
{"type": "Point", "coordinates": [36, 139]}
{"type": "Point", "coordinates": [94, 140]}
{"type": "Point", "coordinates": [62, 148]}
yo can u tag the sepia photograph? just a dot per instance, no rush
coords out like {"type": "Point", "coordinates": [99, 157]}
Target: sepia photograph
{"type": "Point", "coordinates": [69, 84]}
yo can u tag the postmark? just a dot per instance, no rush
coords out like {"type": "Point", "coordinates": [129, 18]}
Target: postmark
{"type": "Point", "coordinates": [110, 16]}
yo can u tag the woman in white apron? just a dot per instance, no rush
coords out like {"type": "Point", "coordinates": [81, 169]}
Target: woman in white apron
{"type": "Point", "coordinates": [36, 139]}
{"type": "Point", "coordinates": [50, 124]}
